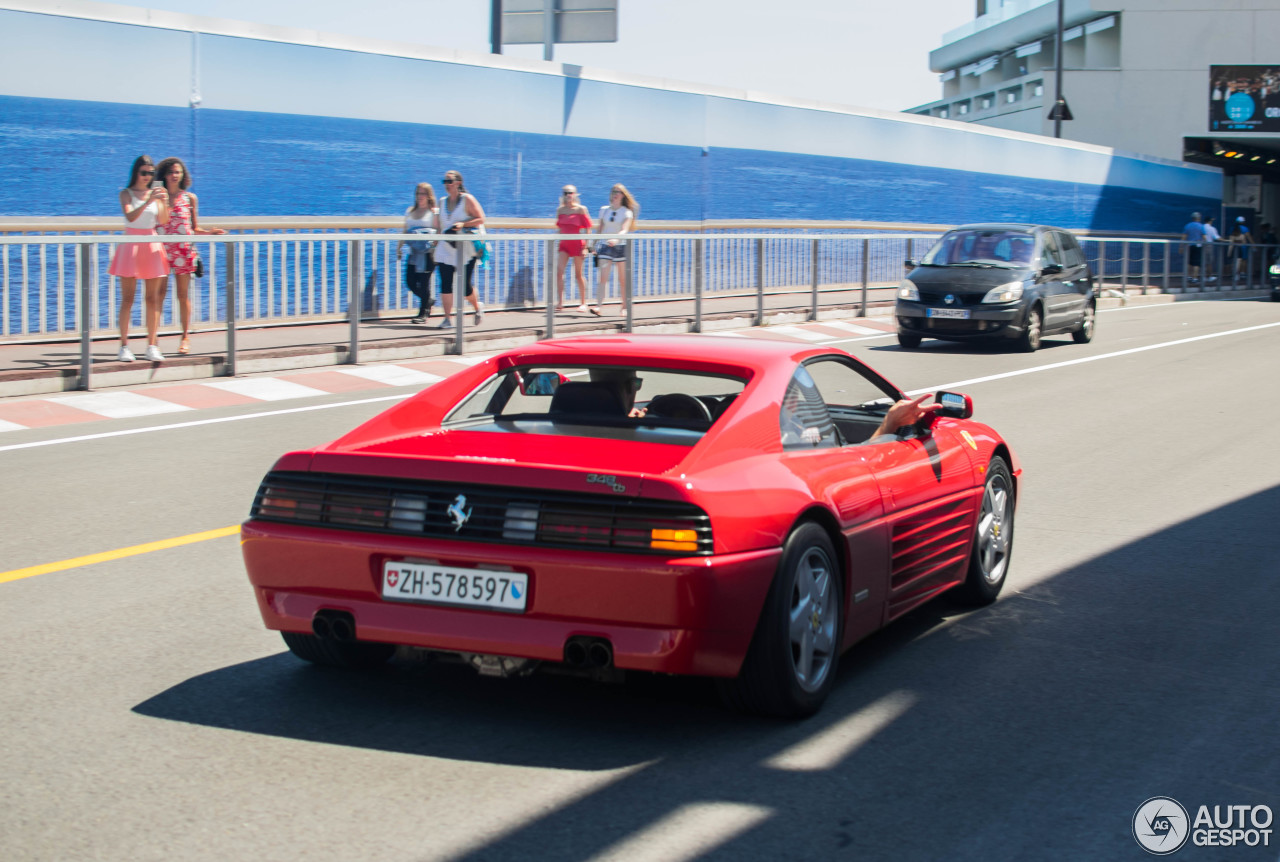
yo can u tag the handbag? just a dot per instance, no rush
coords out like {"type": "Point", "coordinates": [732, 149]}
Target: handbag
{"type": "Point", "coordinates": [480, 250]}
{"type": "Point", "coordinates": [199, 271]}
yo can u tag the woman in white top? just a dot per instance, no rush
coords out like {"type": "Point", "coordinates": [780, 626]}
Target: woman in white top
{"type": "Point", "coordinates": [420, 218]}
{"type": "Point", "coordinates": [143, 208]}
{"type": "Point", "coordinates": [458, 211]}
{"type": "Point", "coordinates": [618, 217]}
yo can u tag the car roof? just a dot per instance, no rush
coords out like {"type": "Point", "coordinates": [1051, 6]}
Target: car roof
{"type": "Point", "coordinates": [1005, 226]}
{"type": "Point", "coordinates": [753, 354]}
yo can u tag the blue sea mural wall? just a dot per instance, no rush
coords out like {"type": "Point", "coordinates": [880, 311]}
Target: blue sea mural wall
{"type": "Point", "coordinates": [297, 129]}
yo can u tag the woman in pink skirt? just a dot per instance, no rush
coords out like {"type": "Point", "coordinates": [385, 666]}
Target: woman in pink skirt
{"type": "Point", "coordinates": [143, 208]}
{"type": "Point", "coordinates": [184, 219]}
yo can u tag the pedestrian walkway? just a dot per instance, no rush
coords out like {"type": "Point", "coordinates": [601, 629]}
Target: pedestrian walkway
{"type": "Point", "coordinates": [164, 398]}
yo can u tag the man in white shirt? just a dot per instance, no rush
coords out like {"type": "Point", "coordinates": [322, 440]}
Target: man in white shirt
{"type": "Point", "coordinates": [1211, 236]}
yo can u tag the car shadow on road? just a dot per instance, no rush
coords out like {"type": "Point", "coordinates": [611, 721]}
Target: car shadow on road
{"type": "Point", "coordinates": [1029, 729]}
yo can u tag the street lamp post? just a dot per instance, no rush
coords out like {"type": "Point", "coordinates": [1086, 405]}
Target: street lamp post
{"type": "Point", "coordinates": [1060, 111]}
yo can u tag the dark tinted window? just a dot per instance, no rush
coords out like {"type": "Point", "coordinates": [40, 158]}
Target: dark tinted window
{"type": "Point", "coordinates": [1072, 254]}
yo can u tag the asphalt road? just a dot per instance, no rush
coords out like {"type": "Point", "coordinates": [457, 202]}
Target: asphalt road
{"type": "Point", "coordinates": [148, 715]}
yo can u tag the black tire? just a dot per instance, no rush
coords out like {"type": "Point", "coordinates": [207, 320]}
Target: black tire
{"type": "Point", "coordinates": [1029, 342]}
{"type": "Point", "coordinates": [908, 340]}
{"type": "Point", "coordinates": [992, 539]}
{"type": "Point", "coordinates": [791, 665]}
{"type": "Point", "coordinates": [361, 654]}
{"type": "Point", "coordinates": [1084, 334]}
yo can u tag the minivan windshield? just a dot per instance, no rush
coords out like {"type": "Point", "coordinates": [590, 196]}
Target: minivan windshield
{"type": "Point", "coordinates": [997, 247]}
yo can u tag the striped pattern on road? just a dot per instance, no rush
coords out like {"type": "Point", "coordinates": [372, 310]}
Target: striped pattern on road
{"type": "Point", "coordinates": [23, 414]}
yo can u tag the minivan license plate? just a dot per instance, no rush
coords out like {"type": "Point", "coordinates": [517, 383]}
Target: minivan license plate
{"type": "Point", "coordinates": [956, 313]}
{"type": "Point", "coordinates": [443, 585]}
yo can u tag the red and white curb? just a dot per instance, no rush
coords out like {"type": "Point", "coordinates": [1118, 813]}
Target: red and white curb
{"type": "Point", "coordinates": [46, 411]}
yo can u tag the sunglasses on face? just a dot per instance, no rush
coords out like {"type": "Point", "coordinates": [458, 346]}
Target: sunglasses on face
{"type": "Point", "coordinates": [448, 182]}
{"type": "Point", "coordinates": [147, 173]}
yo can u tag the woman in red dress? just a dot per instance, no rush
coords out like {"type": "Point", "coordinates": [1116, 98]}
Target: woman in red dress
{"type": "Point", "coordinates": [184, 219]}
{"type": "Point", "coordinates": [571, 217]}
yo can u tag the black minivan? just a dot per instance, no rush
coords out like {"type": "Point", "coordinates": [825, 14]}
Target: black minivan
{"type": "Point", "coordinates": [997, 281]}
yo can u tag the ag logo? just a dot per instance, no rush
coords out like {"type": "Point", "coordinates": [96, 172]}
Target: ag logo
{"type": "Point", "coordinates": [1160, 825]}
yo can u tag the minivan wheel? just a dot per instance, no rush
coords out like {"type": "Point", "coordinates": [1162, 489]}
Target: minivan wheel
{"type": "Point", "coordinates": [1084, 334]}
{"type": "Point", "coordinates": [909, 341]}
{"type": "Point", "coordinates": [1030, 340]}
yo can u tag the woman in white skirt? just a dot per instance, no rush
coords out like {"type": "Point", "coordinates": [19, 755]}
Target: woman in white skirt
{"type": "Point", "coordinates": [143, 208]}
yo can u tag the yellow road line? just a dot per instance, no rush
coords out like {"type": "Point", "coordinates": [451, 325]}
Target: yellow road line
{"type": "Point", "coordinates": [119, 553]}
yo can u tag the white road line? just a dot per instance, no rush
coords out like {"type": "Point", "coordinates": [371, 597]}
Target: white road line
{"type": "Point", "coordinates": [392, 375]}
{"type": "Point", "coordinates": [119, 405]}
{"type": "Point", "coordinates": [1085, 359]}
{"type": "Point", "coordinates": [267, 388]}
{"type": "Point", "coordinates": [11, 426]}
{"type": "Point", "coordinates": [689, 832]}
{"type": "Point", "coordinates": [83, 437]}
{"type": "Point", "coordinates": [827, 748]}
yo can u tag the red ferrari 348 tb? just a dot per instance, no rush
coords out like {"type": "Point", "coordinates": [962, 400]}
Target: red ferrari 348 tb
{"type": "Point", "coordinates": [719, 507]}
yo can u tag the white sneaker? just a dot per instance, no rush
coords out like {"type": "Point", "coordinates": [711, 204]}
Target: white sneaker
{"type": "Point", "coordinates": [479, 312]}
{"type": "Point", "coordinates": [444, 324]}
{"type": "Point", "coordinates": [154, 354]}
{"type": "Point", "coordinates": [125, 354]}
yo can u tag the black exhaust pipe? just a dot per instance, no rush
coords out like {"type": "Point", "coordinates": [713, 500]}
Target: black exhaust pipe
{"type": "Point", "coordinates": [342, 629]}
{"type": "Point", "coordinates": [600, 654]}
{"type": "Point", "coordinates": [338, 626]}
{"type": "Point", "coordinates": [575, 653]}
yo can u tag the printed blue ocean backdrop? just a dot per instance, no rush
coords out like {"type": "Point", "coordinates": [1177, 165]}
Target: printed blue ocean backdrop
{"type": "Point", "coordinates": [70, 158]}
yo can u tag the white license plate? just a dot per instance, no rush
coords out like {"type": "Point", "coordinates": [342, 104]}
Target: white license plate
{"type": "Point", "coordinates": [441, 585]}
{"type": "Point", "coordinates": [957, 313]}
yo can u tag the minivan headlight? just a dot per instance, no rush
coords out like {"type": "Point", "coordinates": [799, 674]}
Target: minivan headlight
{"type": "Point", "coordinates": [1009, 292]}
{"type": "Point", "coordinates": [907, 290]}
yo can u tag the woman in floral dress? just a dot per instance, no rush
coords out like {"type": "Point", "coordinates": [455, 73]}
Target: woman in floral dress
{"type": "Point", "coordinates": [184, 220]}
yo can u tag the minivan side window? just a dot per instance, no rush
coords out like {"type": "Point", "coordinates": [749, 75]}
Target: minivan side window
{"type": "Point", "coordinates": [1051, 252]}
{"type": "Point", "coordinates": [1072, 254]}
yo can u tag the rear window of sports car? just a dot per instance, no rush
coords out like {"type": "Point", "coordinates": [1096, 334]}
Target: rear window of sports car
{"type": "Point", "coordinates": [617, 402]}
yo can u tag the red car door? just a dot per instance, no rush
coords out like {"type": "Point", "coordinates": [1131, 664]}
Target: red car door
{"type": "Point", "coordinates": [928, 489]}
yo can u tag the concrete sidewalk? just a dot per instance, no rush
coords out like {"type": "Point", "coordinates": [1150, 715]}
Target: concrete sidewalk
{"type": "Point", "coordinates": [43, 367]}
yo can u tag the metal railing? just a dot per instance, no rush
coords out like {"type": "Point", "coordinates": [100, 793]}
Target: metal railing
{"type": "Point", "coordinates": [46, 281]}
{"type": "Point", "coordinates": [57, 287]}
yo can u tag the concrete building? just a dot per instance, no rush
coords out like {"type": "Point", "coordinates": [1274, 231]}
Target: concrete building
{"type": "Point", "coordinates": [1195, 80]}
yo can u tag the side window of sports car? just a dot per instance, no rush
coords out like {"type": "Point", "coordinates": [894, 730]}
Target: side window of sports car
{"type": "Point", "coordinates": [855, 402]}
{"type": "Point", "coordinates": [803, 419]}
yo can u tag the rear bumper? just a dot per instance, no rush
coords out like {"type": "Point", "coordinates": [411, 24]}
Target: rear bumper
{"type": "Point", "coordinates": [693, 615]}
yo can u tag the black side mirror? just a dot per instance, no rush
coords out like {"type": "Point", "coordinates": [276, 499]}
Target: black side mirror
{"type": "Point", "coordinates": [955, 405]}
{"type": "Point", "coordinates": [910, 264]}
